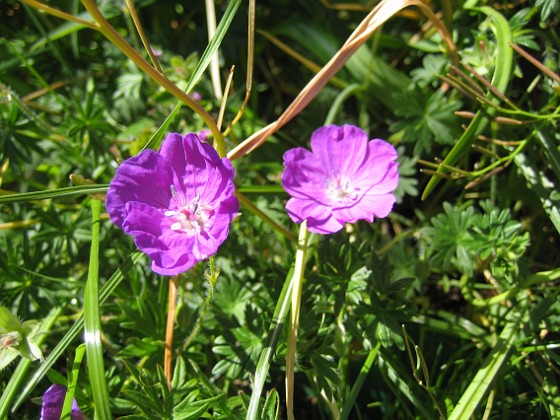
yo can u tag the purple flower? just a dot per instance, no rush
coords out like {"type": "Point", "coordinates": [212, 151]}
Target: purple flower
{"type": "Point", "coordinates": [343, 179]}
{"type": "Point", "coordinates": [177, 203]}
{"type": "Point", "coordinates": [53, 400]}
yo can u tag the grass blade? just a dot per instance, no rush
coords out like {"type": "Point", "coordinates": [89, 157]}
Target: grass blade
{"type": "Point", "coordinates": [500, 79]}
{"type": "Point", "coordinates": [484, 378]}
{"type": "Point", "coordinates": [10, 197]}
{"type": "Point", "coordinates": [276, 326]}
{"type": "Point", "coordinates": [92, 324]}
{"type": "Point", "coordinates": [349, 402]}
{"type": "Point", "coordinates": [542, 186]}
{"type": "Point", "coordinates": [72, 381]}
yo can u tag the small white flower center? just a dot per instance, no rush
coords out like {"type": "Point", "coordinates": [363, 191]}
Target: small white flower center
{"type": "Point", "coordinates": [340, 190]}
{"type": "Point", "coordinates": [191, 217]}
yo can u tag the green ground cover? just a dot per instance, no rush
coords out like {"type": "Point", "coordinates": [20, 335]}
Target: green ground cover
{"type": "Point", "coordinates": [446, 308]}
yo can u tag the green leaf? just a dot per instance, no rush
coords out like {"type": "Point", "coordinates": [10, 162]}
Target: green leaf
{"type": "Point", "coordinates": [7, 356]}
{"type": "Point", "coordinates": [450, 238]}
{"type": "Point", "coordinates": [548, 8]}
{"type": "Point", "coordinates": [387, 331]}
{"type": "Point", "coordinates": [9, 322]}
{"type": "Point", "coordinates": [191, 410]}
{"type": "Point", "coordinates": [426, 119]}
{"type": "Point", "coordinates": [271, 407]}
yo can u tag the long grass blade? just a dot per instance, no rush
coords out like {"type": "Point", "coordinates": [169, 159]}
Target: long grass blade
{"type": "Point", "coordinates": [276, 326]}
{"type": "Point", "coordinates": [92, 324]}
{"type": "Point", "coordinates": [481, 383]}
{"type": "Point", "coordinates": [66, 413]}
{"type": "Point", "coordinates": [364, 371]}
{"type": "Point", "coordinates": [10, 197]}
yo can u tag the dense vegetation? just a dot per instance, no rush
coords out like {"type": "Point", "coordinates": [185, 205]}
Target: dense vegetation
{"type": "Point", "coordinates": [448, 307]}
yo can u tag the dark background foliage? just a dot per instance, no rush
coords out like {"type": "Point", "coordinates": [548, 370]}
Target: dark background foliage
{"type": "Point", "coordinates": [436, 285]}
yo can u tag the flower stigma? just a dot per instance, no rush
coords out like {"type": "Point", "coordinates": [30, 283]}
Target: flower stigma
{"type": "Point", "coordinates": [190, 218]}
{"type": "Point", "coordinates": [339, 189]}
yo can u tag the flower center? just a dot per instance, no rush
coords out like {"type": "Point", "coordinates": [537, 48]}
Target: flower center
{"type": "Point", "coordinates": [191, 217]}
{"type": "Point", "coordinates": [340, 190]}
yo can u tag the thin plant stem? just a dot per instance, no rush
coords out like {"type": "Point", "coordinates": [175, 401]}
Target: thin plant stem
{"type": "Point", "coordinates": [112, 35]}
{"type": "Point", "coordinates": [215, 60]}
{"type": "Point", "coordinates": [143, 37]}
{"type": "Point", "coordinates": [212, 276]}
{"type": "Point", "coordinates": [535, 62]}
{"type": "Point", "coordinates": [168, 356]}
{"type": "Point", "coordinates": [224, 97]}
{"type": "Point", "coordinates": [201, 317]}
{"type": "Point", "coordinates": [250, 63]}
{"type": "Point", "coordinates": [59, 13]}
{"type": "Point", "coordinates": [294, 319]}
{"type": "Point", "coordinates": [248, 204]}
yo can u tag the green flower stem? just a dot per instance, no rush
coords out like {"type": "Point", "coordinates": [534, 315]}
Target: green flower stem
{"type": "Point", "coordinates": [168, 355]}
{"type": "Point", "coordinates": [112, 35]}
{"type": "Point", "coordinates": [294, 320]}
{"type": "Point", "coordinates": [353, 89]}
{"type": "Point", "coordinates": [212, 277]}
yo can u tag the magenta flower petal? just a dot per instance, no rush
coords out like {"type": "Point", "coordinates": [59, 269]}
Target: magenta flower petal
{"type": "Point", "coordinates": [145, 178]}
{"type": "Point", "coordinates": [345, 178]}
{"type": "Point", "coordinates": [177, 204]}
{"type": "Point", "coordinates": [303, 173]}
{"type": "Point", "coordinates": [343, 148]}
{"type": "Point", "coordinates": [53, 400]}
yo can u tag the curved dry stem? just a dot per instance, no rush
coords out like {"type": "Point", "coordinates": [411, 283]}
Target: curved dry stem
{"type": "Point", "coordinates": [377, 17]}
{"type": "Point", "coordinates": [110, 33]}
{"type": "Point", "coordinates": [250, 65]}
{"type": "Point", "coordinates": [143, 37]}
{"type": "Point", "coordinates": [59, 13]}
